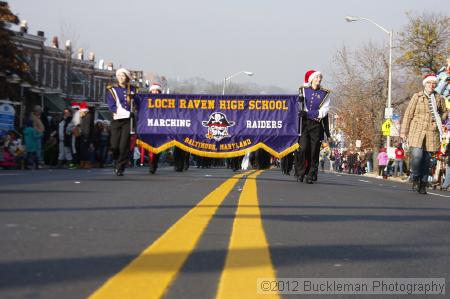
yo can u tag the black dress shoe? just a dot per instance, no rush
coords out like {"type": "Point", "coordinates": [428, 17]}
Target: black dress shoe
{"type": "Point", "coordinates": [119, 172]}
{"type": "Point", "coordinates": [416, 184]}
{"type": "Point", "coordinates": [423, 188]}
{"type": "Point", "coordinates": [309, 181]}
{"type": "Point", "coordinates": [300, 178]}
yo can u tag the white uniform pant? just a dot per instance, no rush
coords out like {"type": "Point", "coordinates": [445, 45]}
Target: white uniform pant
{"type": "Point", "coordinates": [65, 152]}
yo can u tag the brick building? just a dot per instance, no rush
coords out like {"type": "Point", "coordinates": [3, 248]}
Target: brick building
{"type": "Point", "coordinates": [60, 75]}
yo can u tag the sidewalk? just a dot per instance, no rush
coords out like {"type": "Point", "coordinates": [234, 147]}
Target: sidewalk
{"type": "Point", "coordinates": [400, 179]}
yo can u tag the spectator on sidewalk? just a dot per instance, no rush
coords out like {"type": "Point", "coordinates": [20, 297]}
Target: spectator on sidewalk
{"type": "Point", "coordinates": [76, 132]}
{"type": "Point", "coordinates": [87, 150]}
{"type": "Point", "coordinates": [383, 160]}
{"type": "Point", "coordinates": [447, 172]}
{"type": "Point", "coordinates": [332, 160]}
{"type": "Point", "coordinates": [362, 163]}
{"type": "Point", "coordinates": [7, 160]}
{"type": "Point", "coordinates": [351, 162]}
{"type": "Point", "coordinates": [369, 160]}
{"type": "Point", "coordinates": [136, 156]}
{"type": "Point", "coordinates": [399, 157]}
{"type": "Point", "coordinates": [32, 138]}
{"type": "Point", "coordinates": [101, 142]}
{"type": "Point", "coordinates": [65, 140]}
{"type": "Point", "coordinates": [38, 125]}
{"type": "Point", "coordinates": [324, 156]}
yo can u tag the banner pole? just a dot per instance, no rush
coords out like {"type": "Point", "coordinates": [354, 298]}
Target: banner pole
{"type": "Point", "coordinates": [301, 103]}
{"type": "Point", "coordinates": [130, 99]}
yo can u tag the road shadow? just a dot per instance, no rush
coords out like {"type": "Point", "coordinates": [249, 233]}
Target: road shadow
{"type": "Point", "coordinates": [344, 218]}
{"type": "Point", "coordinates": [177, 206]}
{"type": "Point", "coordinates": [53, 271]}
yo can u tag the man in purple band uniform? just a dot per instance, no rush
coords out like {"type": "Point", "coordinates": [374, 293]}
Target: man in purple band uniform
{"type": "Point", "coordinates": [120, 98]}
{"type": "Point", "coordinates": [317, 104]}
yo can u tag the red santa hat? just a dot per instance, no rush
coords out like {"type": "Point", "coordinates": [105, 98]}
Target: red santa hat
{"type": "Point", "coordinates": [309, 76]}
{"type": "Point", "coordinates": [156, 86]}
{"type": "Point", "coordinates": [84, 106]}
{"type": "Point", "coordinates": [428, 78]}
{"type": "Point", "coordinates": [75, 105]}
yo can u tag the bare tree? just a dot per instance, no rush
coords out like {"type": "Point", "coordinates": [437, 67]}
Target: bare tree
{"type": "Point", "coordinates": [69, 32]}
{"type": "Point", "coordinates": [360, 81]}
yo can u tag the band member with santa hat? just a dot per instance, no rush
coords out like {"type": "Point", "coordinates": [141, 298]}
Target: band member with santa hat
{"type": "Point", "coordinates": [314, 119]}
{"type": "Point", "coordinates": [121, 97]}
{"type": "Point", "coordinates": [155, 88]}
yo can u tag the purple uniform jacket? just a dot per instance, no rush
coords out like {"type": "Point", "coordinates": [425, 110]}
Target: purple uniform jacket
{"type": "Point", "coordinates": [316, 103]}
{"type": "Point", "coordinates": [115, 92]}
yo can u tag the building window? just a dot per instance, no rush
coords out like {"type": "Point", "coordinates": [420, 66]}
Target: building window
{"type": "Point", "coordinates": [59, 76]}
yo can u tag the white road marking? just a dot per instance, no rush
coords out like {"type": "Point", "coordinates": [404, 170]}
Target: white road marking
{"type": "Point", "coordinates": [364, 181]}
{"type": "Point", "coordinates": [441, 195]}
{"type": "Point", "coordinates": [5, 174]}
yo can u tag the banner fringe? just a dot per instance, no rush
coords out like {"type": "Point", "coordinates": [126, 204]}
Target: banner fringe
{"type": "Point", "coordinates": [197, 152]}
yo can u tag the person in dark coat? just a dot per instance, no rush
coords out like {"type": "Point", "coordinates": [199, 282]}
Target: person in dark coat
{"type": "Point", "coordinates": [181, 159]}
{"type": "Point", "coordinates": [64, 136]}
{"type": "Point", "coordinates": [287, 163]}
{"type": "Point", "coordinates": [87, 136]}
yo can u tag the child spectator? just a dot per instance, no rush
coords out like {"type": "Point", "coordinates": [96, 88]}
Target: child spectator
{"type": "Point", "coordinates": [32, 138]}
{"type": "Point", "coordinates": [383, 160]}
{"type": "Point", "coordinates": [399, 157]}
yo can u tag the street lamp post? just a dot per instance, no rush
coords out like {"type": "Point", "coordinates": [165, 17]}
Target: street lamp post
{"type": "Point", "coordinates": [235, 74]}
{"type": "Point", "coordinates": [389, 102]}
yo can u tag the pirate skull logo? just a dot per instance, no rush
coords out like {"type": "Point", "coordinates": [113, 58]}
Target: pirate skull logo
{"type": "Point", "coordinates": [217, 125]}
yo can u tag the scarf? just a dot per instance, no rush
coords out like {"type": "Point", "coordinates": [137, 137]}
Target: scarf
{"type": "Point", "coordinates": [433, 108]}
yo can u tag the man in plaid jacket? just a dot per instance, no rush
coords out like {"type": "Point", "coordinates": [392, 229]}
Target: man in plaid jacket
{"type": "Point", "coordinates": [422, 128]}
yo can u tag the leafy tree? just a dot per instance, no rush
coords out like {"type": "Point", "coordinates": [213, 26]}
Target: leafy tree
{"type": "Point", "coordinates": [425, 42]}
{"type": "Point", "coordinates": [10, 61]}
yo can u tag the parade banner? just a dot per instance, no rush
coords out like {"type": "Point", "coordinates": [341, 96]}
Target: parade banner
{"type": "Point", "coordinates": [218, 126]}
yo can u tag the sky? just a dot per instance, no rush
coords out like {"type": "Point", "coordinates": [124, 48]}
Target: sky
{"type": "Point", "coordinates": [277, 40]}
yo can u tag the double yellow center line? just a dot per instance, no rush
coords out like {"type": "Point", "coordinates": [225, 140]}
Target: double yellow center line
{"type": "Point", "coordinates": [248, 257]}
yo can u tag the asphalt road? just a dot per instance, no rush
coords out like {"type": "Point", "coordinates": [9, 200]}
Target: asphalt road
{"type": "Point", "coordinates": [199, 234]}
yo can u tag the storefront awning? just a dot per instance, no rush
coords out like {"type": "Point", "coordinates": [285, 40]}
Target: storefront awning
{"type": "Point", "coordinates": [55, 102]}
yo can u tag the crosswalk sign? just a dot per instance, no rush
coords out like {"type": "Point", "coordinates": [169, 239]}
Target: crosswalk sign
{"type": "Point", "coordinates": [386, 127]}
